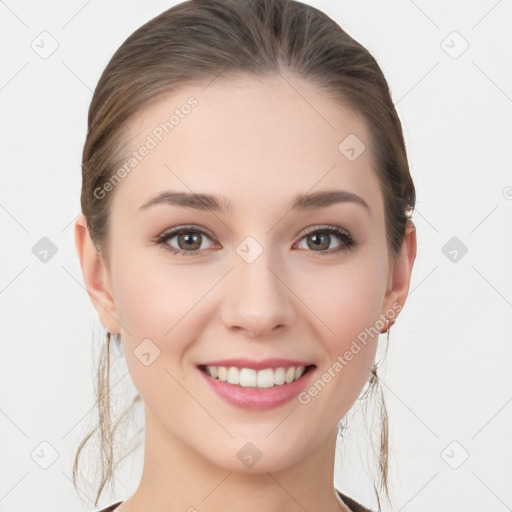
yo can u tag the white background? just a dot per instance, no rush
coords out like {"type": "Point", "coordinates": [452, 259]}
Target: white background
{"type": "Point", "coordinates": [448, 371]}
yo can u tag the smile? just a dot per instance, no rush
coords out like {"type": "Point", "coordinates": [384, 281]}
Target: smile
{"type": "Point", "coordinates": [257, 389]}
{"type": "Point", "coordinates": [259, 379]}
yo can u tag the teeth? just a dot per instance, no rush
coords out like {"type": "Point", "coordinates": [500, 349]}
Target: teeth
{"type": "Point", "coordinates": [247, 377]}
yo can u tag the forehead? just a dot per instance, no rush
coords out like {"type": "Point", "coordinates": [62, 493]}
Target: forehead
{"type": "Point", "coordinates": [275, 137]}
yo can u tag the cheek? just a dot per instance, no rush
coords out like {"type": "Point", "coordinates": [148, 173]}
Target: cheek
{"type": "Point", "coordinates": [347, 304]}
{"type": "Point", "coordinates": [346, 299]}
{"type": "Point", "coordinates": [160, 301]}
{"type": "Point", "coordinates": [150, 298]}
{"type": "Point", "coordinates": [155, 306]}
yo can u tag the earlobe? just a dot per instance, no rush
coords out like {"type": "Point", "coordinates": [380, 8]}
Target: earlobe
{"type": "Point", "coordinates": [402, 272]}
{"type": "Point", "coordinates": [95, 275]}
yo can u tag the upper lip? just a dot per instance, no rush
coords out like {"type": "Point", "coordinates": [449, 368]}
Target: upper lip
{"type": "Point", "coordinates": [257, 365]}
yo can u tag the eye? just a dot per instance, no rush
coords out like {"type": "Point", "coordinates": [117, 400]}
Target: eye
{"type": "Point", "coordinates": [318, 239]}
{"type": "Point", "coordinates": [188, 238]}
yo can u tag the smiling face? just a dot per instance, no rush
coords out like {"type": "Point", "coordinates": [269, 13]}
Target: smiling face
{"type": "Point", "coordinates": [269, 268]}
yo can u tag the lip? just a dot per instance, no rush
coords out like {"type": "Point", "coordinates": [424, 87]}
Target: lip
{"type": "Point", "coordinates": [257, 365]}
{"type": "Point", "coordinates": [258, 399]}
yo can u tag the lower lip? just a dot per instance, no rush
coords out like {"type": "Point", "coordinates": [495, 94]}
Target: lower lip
{"type": "Point", "coordinates": [257, 399]}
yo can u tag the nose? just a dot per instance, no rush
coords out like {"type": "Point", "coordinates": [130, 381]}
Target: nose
{"type": "Point", "coordinates": [258, 301]}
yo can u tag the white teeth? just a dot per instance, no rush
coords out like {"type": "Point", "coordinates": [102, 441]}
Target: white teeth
{"type": "Point", "coordinates": [221, 370]}
{"type": "Point", "coordinates": [279, 376]}
{"type": "Point", "coordinates": [266, 378]}
{"type": "Point", "coordinates": [233, 375]}
{"type": "Point", "coordinates": [247, 377]}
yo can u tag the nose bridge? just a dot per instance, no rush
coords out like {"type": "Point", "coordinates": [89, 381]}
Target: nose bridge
{"type": "Point", "coordinates": [258, 299]}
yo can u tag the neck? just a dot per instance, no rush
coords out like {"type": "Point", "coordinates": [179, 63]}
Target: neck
{"type": "Point", "coordinates": [175, 477]}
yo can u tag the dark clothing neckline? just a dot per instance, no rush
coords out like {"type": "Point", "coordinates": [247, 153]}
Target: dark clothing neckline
{"type": "Point", "coordinates": [352, 504]}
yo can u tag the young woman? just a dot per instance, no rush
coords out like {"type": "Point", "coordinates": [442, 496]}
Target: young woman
{"type": "Point", "coordinates": [245, 237]}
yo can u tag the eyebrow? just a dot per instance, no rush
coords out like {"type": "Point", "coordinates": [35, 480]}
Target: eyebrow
{"type": "Point", "coordinates": [207, 202]}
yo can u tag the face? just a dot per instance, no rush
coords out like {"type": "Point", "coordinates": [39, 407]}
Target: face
{"type": "Point", "coordinates": [274, 277]}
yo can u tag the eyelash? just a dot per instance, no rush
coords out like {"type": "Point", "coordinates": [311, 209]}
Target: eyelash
{"type": "Point", "coordinates": [349, 243]}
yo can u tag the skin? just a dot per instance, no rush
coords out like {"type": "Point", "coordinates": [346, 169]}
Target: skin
{"type": "Point", "coordinates": [259, 143]}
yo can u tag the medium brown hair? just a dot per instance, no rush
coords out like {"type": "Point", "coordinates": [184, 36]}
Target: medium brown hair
{"type": "Point", "coordinates": [202, 40]}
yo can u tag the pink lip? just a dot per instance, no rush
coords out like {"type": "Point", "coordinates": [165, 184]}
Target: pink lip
{"type": "Point", "coordinates": [257, 399]}
{"type": "Point", "coordinates": [257, 365]}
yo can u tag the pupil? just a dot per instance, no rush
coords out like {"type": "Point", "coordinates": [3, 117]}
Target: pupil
{"type": "Point", "coordinates": [318, 240]}
{"type": "Point", "coordinates": [190, 239]}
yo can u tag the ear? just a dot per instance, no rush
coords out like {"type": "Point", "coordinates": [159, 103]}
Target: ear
{"type": "Point", "coordinates": [400, 277]}
{"type": "Point", "coordinates": [96, 277]}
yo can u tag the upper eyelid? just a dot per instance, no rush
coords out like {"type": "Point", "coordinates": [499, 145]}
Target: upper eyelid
{"type": "Point", "coordinates": [185, 227]}
{"type": "Point", "coordinates": [173, 232]}
{"type": "Point", "coordinates": [306, 230]}
{"type": "Point", "coordinates": [316, 227]}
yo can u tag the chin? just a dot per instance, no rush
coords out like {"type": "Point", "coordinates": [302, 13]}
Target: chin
{"type": "Point", "coordinates": [257, 454]}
